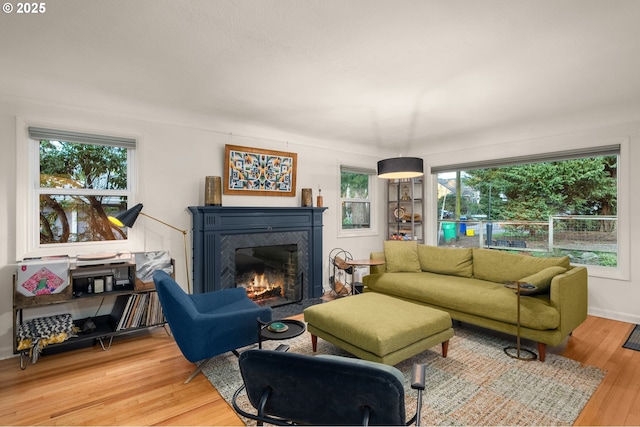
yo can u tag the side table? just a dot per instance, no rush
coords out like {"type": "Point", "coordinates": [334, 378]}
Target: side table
{"type": "Point", "coordinates": [361, 263]}
{"type": "Point", "coordinates": [294, 328]}
{"type": "Point", "coordinates": [520, 353]}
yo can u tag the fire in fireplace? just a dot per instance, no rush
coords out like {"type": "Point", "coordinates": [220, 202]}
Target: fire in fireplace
{"type": "Point", "coordinates": [269, 274]}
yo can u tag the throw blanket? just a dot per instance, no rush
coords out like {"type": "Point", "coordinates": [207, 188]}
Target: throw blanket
{"type": "Point", "coordinates": [35, 334]}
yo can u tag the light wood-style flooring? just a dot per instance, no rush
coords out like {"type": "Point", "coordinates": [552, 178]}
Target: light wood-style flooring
{"type": "Point", "coordinates": [139, 381]}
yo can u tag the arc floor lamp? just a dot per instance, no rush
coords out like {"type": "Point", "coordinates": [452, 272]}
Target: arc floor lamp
{"type": "Point", "coordinates": [129, 217]}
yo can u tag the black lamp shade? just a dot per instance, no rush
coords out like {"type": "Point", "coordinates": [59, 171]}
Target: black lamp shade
{"type": "Point", "coordinates": [128, 217]}
{"type": "Point", "coordinates": [400, 168]}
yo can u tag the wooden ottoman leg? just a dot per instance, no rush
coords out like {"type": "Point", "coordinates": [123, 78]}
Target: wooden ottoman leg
{"type": "Point", "coordinates": [314, 343]}
{"type": "Point", "coordinates": [445, 348]}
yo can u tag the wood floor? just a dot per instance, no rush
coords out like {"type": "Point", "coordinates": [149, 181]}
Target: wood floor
{"type": "Point", "coordinates": [139, 381]}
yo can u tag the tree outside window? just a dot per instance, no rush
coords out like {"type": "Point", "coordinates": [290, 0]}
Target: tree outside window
{"type": "Point", "coordinates": [79, 186]}
{"type": "Point", "coordinates": [564, 207]}
{"type": "Point", "coordinates": [355, 199]}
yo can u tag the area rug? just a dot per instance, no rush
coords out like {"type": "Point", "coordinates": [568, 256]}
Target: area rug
{"type": "Point", "coordinates": [633, 342]}
{"type": "Point", "coordinates": [477, 384]}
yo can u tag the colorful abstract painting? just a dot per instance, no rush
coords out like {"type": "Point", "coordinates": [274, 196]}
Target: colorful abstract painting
{"type": "Point", "coordinates": [259, 172]}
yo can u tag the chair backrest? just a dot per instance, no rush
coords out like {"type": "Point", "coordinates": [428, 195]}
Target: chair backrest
{"type": "Point", "coordinates": [319, 390]}
{"type": "Point", "coordinates": [179, 309]}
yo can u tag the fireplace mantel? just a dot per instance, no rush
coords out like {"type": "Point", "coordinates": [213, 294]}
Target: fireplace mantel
{"type": "Point", "coordinates": [213, 224]}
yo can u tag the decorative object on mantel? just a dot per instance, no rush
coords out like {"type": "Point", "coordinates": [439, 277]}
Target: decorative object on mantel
{"type": "Point", "coordinates": [258, 172]}
{"type": "Point", "coordinates": [319, 202]}
{"type": "Point", "coordinates": [307, 198]}
{"type": "Point", "coordinates": [129, 217]}
{"type": "Point", "coordinates": [213, 191]}
{"type": "Point", "coordinates": [400, 168]}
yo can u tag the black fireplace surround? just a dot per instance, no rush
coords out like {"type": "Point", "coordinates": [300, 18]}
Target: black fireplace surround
{"type": "Point", "coordinates": [218, 231]}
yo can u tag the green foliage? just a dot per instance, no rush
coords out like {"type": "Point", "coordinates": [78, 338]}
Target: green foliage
{"type": "Point", "coordinates": [533, 192]}
{"type": "Point", "coordinates": [70, 165]}
{"type": "Point", "coordinates": [64, 166]}
{"type": "Point", "coordinates": [354, 185]}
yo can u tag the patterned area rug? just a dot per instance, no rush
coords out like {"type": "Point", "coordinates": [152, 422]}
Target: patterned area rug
{"type": "Point", "coordinates": [477, 384]}
{"type": "Point", "coordinates": [633, 342]}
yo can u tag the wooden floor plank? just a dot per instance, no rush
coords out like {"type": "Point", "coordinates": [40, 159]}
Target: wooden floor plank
{"type": "Point", "coordinates": [139, 381]}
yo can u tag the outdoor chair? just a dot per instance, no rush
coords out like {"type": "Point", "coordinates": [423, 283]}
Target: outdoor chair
{"type": "Point", "coordinates": [209, 324]}
{"type": "Point", "coordinates": [289, 389]}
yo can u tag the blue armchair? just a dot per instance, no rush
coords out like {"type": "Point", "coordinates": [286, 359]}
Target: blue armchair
{"type": "Point", "coordinates": [209, 324]}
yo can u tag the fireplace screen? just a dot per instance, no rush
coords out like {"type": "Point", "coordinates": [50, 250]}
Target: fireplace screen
{"type": "Point", "coordinates": [269, 274]}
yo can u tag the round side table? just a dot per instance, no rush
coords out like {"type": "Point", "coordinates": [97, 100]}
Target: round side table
{"type": "Point", "coordinates": [361, 263]}
{"type": "Point", "coordinates": [294, 328]}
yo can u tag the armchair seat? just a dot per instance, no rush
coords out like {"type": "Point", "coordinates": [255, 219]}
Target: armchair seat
{"type": "Point", "coordinates": [209, 324]}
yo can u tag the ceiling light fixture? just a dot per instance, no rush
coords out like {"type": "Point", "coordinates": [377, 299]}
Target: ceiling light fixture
{"type": "Point", "coordinates": [400, 168]}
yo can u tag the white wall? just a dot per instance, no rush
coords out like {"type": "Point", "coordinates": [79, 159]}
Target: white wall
{"type": "Point", "coordinates": [173, 162]}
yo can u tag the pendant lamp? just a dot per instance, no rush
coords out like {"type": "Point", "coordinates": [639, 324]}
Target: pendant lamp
{"type": "Point", "coordinates": [400, 168]}
{"type": "Point", "coordinates": [129, 217]}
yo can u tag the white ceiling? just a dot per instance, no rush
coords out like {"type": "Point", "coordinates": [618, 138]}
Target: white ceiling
{"type": "Point", "coordinates": [376, 72]}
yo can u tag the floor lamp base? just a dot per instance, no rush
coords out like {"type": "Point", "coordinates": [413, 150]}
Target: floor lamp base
{"type": "Point", "coordinates": [520, 354]}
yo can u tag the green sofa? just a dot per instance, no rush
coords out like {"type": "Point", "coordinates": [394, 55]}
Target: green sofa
{"type": "Point", "coordinates": [468, 283]}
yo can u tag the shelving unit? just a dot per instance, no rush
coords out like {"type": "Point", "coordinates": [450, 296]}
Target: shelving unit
{"type": "Point", "coordinates": [136, 306]}
{"type": "Point", "coordinates": [405, 209]}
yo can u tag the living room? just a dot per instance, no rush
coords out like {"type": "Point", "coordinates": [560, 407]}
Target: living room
{"type": "Point", "coordinates": [337, 84]}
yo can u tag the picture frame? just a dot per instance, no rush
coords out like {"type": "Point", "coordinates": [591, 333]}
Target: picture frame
{"type": "Point", "coordinates": [259, 172]}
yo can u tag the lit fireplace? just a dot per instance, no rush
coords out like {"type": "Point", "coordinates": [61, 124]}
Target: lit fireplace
{"type": "Point", "coordinates": [269, 274]}
{"type": "Point", "coordinates": [260, 288]}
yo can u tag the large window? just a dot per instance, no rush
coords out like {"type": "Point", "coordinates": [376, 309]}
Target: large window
{"type": "Point", "coordinates": [562, 204]}
{"type": "Point", "coordinates": [81, 179]}
{"type": "Point", "coordinates": [356, 192]}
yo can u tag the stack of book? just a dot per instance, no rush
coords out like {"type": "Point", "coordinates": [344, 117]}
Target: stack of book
{"type": "Point", "coordinates": [138, 310]}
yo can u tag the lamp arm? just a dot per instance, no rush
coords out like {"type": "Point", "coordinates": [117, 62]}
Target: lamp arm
{"type": "Point", "coordinates": [162, 222]}
{"type": "Point", "coordinates": [184, 236]}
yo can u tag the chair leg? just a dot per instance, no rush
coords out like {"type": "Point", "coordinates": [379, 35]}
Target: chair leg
{"type": "Point", "coordinates": [314, 343]}
{"type": "Point", "coordinates": [197, 371]}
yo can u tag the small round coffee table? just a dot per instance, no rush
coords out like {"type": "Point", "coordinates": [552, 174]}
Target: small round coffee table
{"type": "Point", "coordinates": [294, 328]}
{"type": "Point", "coordinates": [355, 263]}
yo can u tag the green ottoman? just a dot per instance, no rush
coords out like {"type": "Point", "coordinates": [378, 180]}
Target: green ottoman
{"type": "Point", "coordinates": [378, 327]}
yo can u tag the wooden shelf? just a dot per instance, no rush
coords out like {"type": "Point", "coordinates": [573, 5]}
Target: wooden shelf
{"type": "Point", "coordinates": [146, 310]}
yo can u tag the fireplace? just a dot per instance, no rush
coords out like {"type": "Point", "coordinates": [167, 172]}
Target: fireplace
{"type": "Point", "coordinates": [269, 274]}
{"type": "Point", "coordinates": [227, 239]}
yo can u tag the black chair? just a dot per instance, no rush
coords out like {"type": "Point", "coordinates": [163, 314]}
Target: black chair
{"type": "Point", "coordinates": [291, 389]}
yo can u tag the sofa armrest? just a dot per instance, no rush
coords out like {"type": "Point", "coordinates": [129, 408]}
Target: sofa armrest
{"type": "Point", "coordinates": [568, 294]}
{"type": "Point", "coordinates": [377, 269]}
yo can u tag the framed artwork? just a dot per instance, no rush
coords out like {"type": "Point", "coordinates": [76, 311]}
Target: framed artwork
{"type": "Point", "coordinates": [258, 172]}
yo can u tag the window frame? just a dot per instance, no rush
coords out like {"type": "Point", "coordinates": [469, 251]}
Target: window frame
{"type": "Point", "coordinates": [372, 200]}
{"type": "Point", "coordinates": [28, 193]}
{"type": "Point", "coordinates": [577, 143]}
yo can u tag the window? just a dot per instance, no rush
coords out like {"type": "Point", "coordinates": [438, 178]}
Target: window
{"type": "Point", "coordinates": [79, 181]}
{"type": "Point", "coordinates": [356, 192]}
{"type": "Point", "coordinates": [550, 205]}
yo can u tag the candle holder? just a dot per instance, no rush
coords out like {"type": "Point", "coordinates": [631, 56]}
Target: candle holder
{"type": "Point", "coordinates": [213, 191]}
{"type": "Point", "coordinates": [307, 197]}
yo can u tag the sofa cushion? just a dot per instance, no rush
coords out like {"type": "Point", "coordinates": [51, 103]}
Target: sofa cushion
{"type": "Point", "coordinates": [453, 261]}
{"type": "Point", "coordinates": [401, 256]}
{"type": "Point", "coordinates": [477, 297]}
{"type": "Point", "coordinates": [542, 279]}
{"type": "Point", "coordinates": [502, 267]}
